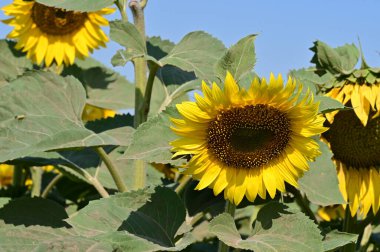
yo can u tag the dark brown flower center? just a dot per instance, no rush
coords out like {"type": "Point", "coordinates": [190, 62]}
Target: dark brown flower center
{"type": "Point", "coordinates": [353, 144]}
{"type": "Point", "coordinates": [54, 21]}
{"type": "Point", "coordinates": [248, 137]}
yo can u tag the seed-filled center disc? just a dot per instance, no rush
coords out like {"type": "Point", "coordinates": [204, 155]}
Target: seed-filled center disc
{"type": "Point", "coordinates": [54, 21]}
{"type": "Point", "coordinates": [249, 136]}
{"type": "Point", "coordinates": [353, 144]}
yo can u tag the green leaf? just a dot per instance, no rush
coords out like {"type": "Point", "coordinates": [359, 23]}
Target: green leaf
{"type": "Point", "coordinates": [197, 52]}
{"type": "Point", "coordinates": [143, 220]}
{"type": "Point", "coordinates": [276, 229]}
{"type": "Point", "coordinates": [336, 239]}
{"type": "Point", "coordinates": [328, 104]}
{"type": "Point", "coordinates": [311, 80]}
{"type": "Point", "coordinates": [33, 211]}
{"type": "Point", "coordinates": [202, 201]}
{"type": "Point", "coordinates": [107, 214]}
{"type": "Point", "coordinates": [337, 61]}
{"type": "Point", "coordinates": [12, 62]}
{"type": "Point", "coordinates": [150, 142]}
{"type": "Point", "coordinates": [83, 5]}
{"type": "Point", "coordinates": [349, 55]}
{"type": "Point", "coordinates": [320, 183]}
{"type": "Point", "coordinates": [42, 111]}
{"type": "Point", "coordinates": [159, 219]}
{"type": "Point", "coordinates": [104, 87]}
{"type": "Point", "coordinates": [239, 60]}
{"type": "Point", "coordinates": [38, 238]}
{"type": "Point", "coordinates": [127, 35]}
{"type": "Point", "coordinates": [158, 48]}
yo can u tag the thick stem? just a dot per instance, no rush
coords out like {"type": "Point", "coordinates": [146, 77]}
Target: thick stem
{"type": "Point", "coordinates": [140, 174]}
{"type": "Point", "coordinates": [230, 208]}
{"type": "Point", "coordinates": [349, 227]}
{"type": "Point", "coordinates": [114, 171]}
{"type": "Point", "coordinates": [182, 184]}
{"type": "Point", "coordinates": [50, 186]}
{"type": "Point", "coordinates": [121, 6]}
{"type": "Point", "coordinates": [37, 179]}
{"type": "Point", "coordinates": [98, 186]}
{"type": "Point", "coordinates": [140, 65]}
{"type": "Point", "coordinates": [148, 91]}
{"type": "Point", "coordinates": [304, 205]}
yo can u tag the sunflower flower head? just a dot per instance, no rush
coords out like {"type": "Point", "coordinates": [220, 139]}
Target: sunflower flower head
{"type": "Point", "coordinates": [354, 134]}
{"type": "Point", "coordinates": [49, 34]}
{"type": "Point", "coordinates": [248, 142]}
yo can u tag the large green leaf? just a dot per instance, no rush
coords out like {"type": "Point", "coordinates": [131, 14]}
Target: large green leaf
{"type": "Point", "coordinates": [239, 60]}
{"type": "Point", "coordinates": [41, 111]}
{"type": "Point", "coordinates": [328, 104]}
{"type": "Point", "coordinates": [33, 211]}
{"type": "Point", "coordinates": [144, 220]}
{"type": "Point", "coordinates": [197, 52]}
{"type": "Point", "coordinates": [336, 239]}
{"type": "Point", "coordinates": [320, 183]}
{"type": "Point", "coordinates": [12, 62]}
{"type": "Point", "coordinates": [337, 61]}
{"type": "Point", "coordinates": [150, 141]}
{"type": "Point", "coordinates": [276, 229]}
{"type": "Point", "coordinates": [158, 48]}
{"type": "Point", "coordinates": [127, 35]}
{"type": "Point", "coordinates": [83, 5]}
{"type": "Point", "coordinates": [311, 80]}
{"type": "Point", "coordinates": [104, 87]}
{"type": "Point", "coordinates": [39, 238]}
{"type": "Point", "coordinates": [107, 214]}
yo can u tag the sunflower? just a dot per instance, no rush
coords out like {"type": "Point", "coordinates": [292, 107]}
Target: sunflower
{"type": "Point", "coordinates": [248, 142]}
{"type": "Point", "coordinates": [50, 34]}
{"type": "Point", "coordinates": [363, 98]}
{"type": "Point", "coordinates": [329, 213]}
{"type": "Point", "coordinates": [354, 139]}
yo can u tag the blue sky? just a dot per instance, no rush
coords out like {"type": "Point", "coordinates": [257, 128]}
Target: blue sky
{"type": "Point", "coordinates": [286, 29]}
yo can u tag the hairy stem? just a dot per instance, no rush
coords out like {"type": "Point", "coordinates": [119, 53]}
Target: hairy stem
{"type": "Point", "coordinates": [230, 208]}
{"type": "Point", "coordinates": [114, 171]}
{"type": "Point", "coordinates": [50, 186]}
{"type": "Point", "coordinates": [140, 66]}
{"type": "Point", "coordinates": [98, 186]}
{"type": "Point", "coordinates": [121, 6]}
{"type": "Point", "coordinates": [185, 180]}
{"type": "Point", "coordinates": [37, 179]}
{"type": "Point", "coordinates": [349, 227]}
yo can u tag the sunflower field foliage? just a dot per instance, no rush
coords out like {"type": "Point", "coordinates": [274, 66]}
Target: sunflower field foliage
{"type": "Point", "coordinates": [194, 152]}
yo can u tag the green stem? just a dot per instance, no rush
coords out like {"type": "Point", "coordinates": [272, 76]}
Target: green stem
{"type": "Point", "coordinates": [114, 171]}
{"type": "Point", "coordinates": [50, 186]}
{"type": "Point", "coordinates": [230, 208]}
{"type": "Point", "coordinates": [140, 66]}
{"type": "Point", "coordinates": [349, 227]}
{"type": "Point", "coordinates": [182, 184]}
{"type": "Point", "coordinates": [121, 6]}
{"type": "Point", "coordinates": [97, 185]}
{"type": "Point", "coordinates": [18, 175]}
{"type": "Point", "coordinates": [305, 206]}
{"type": "Point", "coordinates": [37, 179]}
{"type": "Point", "coordinates": [148, 91]}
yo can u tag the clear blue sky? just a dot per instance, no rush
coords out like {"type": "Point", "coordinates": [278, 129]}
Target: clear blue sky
{"type": "Point", "coordinates": [286, 28]}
